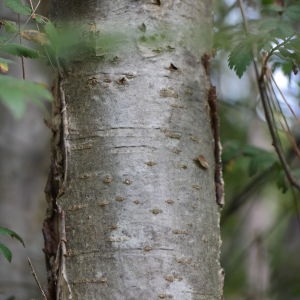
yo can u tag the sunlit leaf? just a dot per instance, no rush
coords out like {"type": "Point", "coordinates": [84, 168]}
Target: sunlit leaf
{"type": "Point", "coordinates": [3, 67]}
{"type": "Point", "coordinates": [4, 64]}
{"type": "Point", "coordinates": [35, 36]}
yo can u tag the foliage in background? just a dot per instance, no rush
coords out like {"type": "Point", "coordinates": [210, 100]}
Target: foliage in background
{"type": "Point", "coordinates": [14, 93]}
{"type": "Point", "coordinates": [272, 40]}
{"type": "Point", "coordinates": [273, 35]}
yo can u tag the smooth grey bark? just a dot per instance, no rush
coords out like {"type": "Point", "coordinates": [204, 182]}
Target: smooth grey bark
{"type": "Point", "coordinates": [141, 218]}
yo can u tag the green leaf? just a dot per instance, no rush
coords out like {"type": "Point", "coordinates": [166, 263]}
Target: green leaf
{"type": "Point", "coordinates": [12, 234]}
{"type": "Point", "coordinates": [19, 50]}
{"type": "Point", "coordinates": [240, 58]}
{"type": "Point", "coordinates": [6, 252]}
{"type": "Point", "coordinates": [15, 92]}
{"type": "Point", "coordinates": [10, 26]}
{"type": "Point", "coordinates": [18, 7]}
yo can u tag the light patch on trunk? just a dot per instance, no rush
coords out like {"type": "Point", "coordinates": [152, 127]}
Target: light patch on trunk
{"type": "Point", "coordinates": [180, 289]}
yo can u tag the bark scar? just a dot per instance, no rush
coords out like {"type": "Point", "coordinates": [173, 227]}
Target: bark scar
{"type": "Point", "coordinates": [54, 224]}
{"type": "Point", "coordinates": [215, 125]}
{"type": "Point", "coordinates": [63, 289]}
{"type": "Point", "coordinates": [65, 134]}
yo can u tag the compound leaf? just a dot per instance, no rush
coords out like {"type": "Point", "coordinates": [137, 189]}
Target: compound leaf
{"type": "Point", "coordinates": [240, 58]}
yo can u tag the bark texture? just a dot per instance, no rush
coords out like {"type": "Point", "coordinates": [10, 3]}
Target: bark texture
{"type": "Point", "coordinates": [139, 207]}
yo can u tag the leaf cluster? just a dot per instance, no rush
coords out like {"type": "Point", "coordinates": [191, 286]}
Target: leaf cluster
{"type": "Point", "coordinates": [15, 93]}
{"type": "Point", "coordinates": [58, 45]}
{"type": "Point", "coordinates": [274, 36]}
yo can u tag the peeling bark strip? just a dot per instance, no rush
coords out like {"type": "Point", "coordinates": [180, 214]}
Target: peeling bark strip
{"type": "Point", "coordinates": [212, 101]}
{"type": "Point", "coordinates": [54, 224]}
{"type": "Point", "coordinates": [215, 125]}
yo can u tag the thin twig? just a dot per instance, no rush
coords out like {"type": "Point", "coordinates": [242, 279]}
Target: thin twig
{"type": "Point", "coordinates": [38, 28]}
{"type": "Point", "coordinates": [285, 127]}
{"type": "Point", "coordinates": [36, 278]}
{"type": "Point", "coordinates": [276, 48]}
{"type": "Point", "coordinates": [283, 97]}
{"type": "Point", "coordinates": [278, 149]}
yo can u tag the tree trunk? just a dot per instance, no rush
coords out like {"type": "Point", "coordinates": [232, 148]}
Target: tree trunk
{"type": "Point", "coordinates": [133, 211]}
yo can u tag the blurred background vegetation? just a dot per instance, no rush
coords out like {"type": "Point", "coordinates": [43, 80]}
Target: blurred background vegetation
{"type": "Point", "coordinates": [260, 222]}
